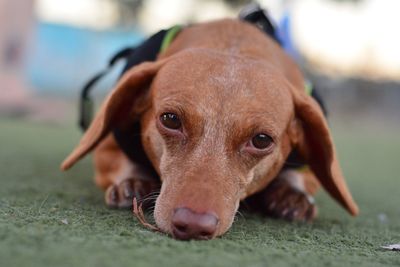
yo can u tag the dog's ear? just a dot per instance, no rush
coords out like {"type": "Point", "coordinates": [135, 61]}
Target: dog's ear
{"type": "Point", "coordinates": [119, 105]}
{"type": "Point", "coordinates": [314, 143]}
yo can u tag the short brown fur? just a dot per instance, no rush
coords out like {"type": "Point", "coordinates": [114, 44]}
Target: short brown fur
{"type": "Point", "coordinates": [227, 81]}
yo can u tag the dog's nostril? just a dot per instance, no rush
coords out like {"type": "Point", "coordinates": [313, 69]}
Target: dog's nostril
{"type": "Point", "coordinates": [181, 228]}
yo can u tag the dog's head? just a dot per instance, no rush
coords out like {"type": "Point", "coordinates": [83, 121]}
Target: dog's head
{"type": "Point", "coordinates": [217, 128]}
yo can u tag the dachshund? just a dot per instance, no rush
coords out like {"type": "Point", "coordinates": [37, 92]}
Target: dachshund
{"type": "Point", "coordinates": [220, 111]}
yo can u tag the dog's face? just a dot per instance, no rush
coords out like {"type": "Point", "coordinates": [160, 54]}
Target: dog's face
{"type": "Point", "coordinates": [217, 128]}
{"type": "Point", "coordinates": [212, 129]}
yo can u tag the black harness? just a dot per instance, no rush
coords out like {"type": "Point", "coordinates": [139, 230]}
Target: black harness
{"type": "Point", "coordinates": [148, 51]}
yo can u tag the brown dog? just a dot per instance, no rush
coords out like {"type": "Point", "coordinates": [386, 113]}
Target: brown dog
{"type": "Point", "coordinates": [220, 111]}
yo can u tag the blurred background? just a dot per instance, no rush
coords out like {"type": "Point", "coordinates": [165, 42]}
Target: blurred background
{"type": "Point", "coordinates": [49, 49]}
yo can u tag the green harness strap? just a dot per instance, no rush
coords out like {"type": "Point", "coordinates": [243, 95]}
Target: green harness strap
{"type": "Point", "coordinates": [169, 37]}
{"type": "Point", "coordinates": [308, 87]}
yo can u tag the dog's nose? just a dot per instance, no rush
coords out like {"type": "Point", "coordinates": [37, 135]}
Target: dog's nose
{"type": "Point", "coordinates": [187, 224]}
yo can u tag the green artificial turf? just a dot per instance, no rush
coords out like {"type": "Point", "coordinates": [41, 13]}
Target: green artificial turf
{"type": "Point", "coordinates": [49, 218]}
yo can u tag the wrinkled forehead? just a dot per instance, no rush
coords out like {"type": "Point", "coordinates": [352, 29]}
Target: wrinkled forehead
{"type": "Point", "coordinates": [211, 81]}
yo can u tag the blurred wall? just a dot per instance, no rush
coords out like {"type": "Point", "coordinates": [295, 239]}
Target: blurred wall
{"type": "Point", "coordinates": [16, 27]}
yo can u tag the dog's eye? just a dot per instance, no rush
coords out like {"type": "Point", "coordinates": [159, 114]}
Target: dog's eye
{"type": "Point", "coordinates": [261, 141]}
{"type": "Point", "coordinates": [171, 121]}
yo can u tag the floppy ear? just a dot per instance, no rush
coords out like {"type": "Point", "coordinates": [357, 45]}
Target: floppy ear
{"type": "Point", "coordinates": [117, 106]}
{"type": "Point", "coordinates": [315, 145]}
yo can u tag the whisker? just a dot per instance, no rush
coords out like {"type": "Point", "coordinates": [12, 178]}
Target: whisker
{"type": "Point", "coordinates": [138, 212]}
{"type": "Point", "coordinates": [240, 214]}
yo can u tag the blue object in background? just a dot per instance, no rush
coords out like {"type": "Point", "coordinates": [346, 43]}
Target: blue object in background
{"type": "Point", "coordinates": [285, 35]}
{"type": "Point", "coordinates": [63, 58]}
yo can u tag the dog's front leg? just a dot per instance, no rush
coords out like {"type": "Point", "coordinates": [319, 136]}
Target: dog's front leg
{"type": "Point", "coordinates": [121, 178]}
{"type": "Point", "coordinates": [289, 196]}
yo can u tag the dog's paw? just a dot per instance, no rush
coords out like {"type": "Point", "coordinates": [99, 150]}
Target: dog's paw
{"type": "Point", "coordinates": [121, 195]}
{"type": "Point", "coordinates": [284, 201]}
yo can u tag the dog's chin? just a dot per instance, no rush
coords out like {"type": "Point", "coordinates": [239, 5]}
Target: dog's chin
{"type": "Point", "coordinates": [165, 227]}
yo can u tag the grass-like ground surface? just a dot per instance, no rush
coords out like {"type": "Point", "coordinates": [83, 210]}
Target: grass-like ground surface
{"type": "Point", "coordinates": [49, 218]}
